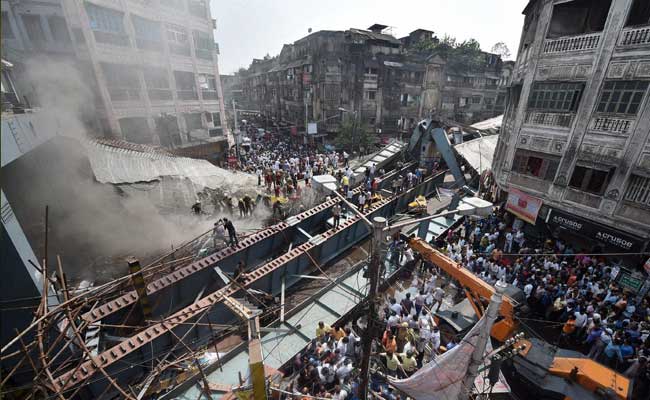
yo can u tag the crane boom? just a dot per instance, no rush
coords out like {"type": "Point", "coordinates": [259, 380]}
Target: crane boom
{"type": "Point", "coordinates": [473, 285]}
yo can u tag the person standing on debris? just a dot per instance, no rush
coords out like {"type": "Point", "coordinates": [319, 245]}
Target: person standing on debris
{"type": "Point", "coordinates": [232, 234]}
{"type": "Point", "coordinates": [242, 207]}
{"type": "Point", "coordinates": [196, 207]}
{"type": "Point", "coordinates": [219, 233]}
{"type": "Point", "coordinates": [362, 201]}
{"type": "Point", "coordinates": [336, 213]}
{"type": "Point", "coordinates": [248, 206]}
{"type": "Point", "coordinates": [345, 181]}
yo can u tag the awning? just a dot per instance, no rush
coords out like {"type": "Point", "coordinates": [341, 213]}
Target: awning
{"type": "Point", "coordinates": [478, 152]}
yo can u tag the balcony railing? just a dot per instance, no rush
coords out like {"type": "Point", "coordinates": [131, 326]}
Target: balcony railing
{"type": "Point", "coordinates": [160, 94]}
{"type": "Point", "coordinates": [205, 54]}
{"type": "Point", "coordinates": [209, 94]}
{"type": "Point", "coordinates": [116, 39]}
{"type": "Point", "coordinates": [180, 49]}
{"type": "Point", "coordinates": [614, 125]}
{"type": "Point", "coordinates": [635, 36]}
{"type": "Point", "coordinates": [124, 94]}
{"type": "Point", "coordinates": [147, 44]}
{"type": "Point", "coordinates": [549, 119]}
{"type": "Point", "coordinates": [187, 95]}
{"type": "Point", "coordinates": [572, 43]}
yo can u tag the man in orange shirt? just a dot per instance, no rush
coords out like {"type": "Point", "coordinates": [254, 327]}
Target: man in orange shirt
{"type": "Point", "coordinates": [568, 328]}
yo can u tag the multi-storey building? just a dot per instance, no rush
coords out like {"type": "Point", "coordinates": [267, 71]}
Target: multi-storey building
{"type": "Point", "coordinates": [576, 132]}
{"type": "Point", "coordinates": [379, 78]}
{"type": "Point", "coordinates": [152, 65]}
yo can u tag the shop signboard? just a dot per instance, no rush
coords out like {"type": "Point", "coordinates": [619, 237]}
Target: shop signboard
{"type": "Point", "coordinates": [524, 206]}
{"type": "Point", "coordinates": [593, 231]}
{"type": "Point", "coordinates": [631, 282]}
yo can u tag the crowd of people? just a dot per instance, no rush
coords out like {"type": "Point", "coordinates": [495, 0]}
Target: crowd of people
{"type": "Point", "coordinates": [573, 291]}
{"type": "Point", "coordinates": [575, 294]}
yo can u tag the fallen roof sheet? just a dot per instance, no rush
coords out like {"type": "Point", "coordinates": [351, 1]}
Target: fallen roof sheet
{"type": "Point", "coordinates": [118, 165]}
{"type": "Point", "coordinates": [492, 124]}
{"type": "Point", "coordinates": [479, 152]}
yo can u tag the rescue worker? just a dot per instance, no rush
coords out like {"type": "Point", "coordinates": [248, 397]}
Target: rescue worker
{"type": "Point", "coordinates": [232, 233]}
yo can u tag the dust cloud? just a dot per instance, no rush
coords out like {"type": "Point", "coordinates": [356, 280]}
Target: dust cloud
{"type": "Point", "coordinates": [93, 226]}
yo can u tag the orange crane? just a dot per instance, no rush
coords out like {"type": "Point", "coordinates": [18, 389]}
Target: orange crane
{"type": "Point", "coordinates": [552, 376]}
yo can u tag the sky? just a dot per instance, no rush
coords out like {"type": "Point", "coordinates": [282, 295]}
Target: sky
{"type": "Point", "coordinates": [248, 29]}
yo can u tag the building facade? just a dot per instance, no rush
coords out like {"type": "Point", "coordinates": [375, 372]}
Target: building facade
{"type": "Point", "coordinates": [151, 65]}
{"type": "Point", "coordinates": [576, 132]}
{"type": "Point", "coordinates": [370, 74]}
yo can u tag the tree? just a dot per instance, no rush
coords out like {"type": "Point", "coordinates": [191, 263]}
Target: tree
{"type": "Point", "coordinates": [501, 49]}
{"type": "Point", "coordinates": [353, 135]}
{"type": "Point", "coordinates": [464, 56]}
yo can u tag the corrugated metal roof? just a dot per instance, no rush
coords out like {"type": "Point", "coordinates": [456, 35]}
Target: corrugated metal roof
{"type": "Point", "coordinates": [479, 152]}
{"type": "Point", "coordinates": [118, 165]}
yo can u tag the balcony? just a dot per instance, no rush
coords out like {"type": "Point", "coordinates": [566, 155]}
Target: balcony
{"type": "Point", "coordinates": [572, 43]}
{"type": "Point", "coordinates": [204, 54]}
{"type": "Point", "coordinates": [160, 94]}
{"type": "Point", "coordinates": [530, 182]}
{"type": "Point", "coordinates": [611, 125]}
{"type": "Point", "coordinates": [582, 198]}
{"type": "Point", "coordinates": [563, 120]}
{"type": "Point", "coordinates": [187, 95]}
{"type": "Point", "coordinates": [147, 44]}
{"type": "Point", "coordinates": [124, 94]}
{"type": "Point", "coordinates": [115, 39]}
{"type": "Point", "coordinates": [179, 49]}
{"type": "Point", "coordinates": [209, 94]}
{"type": "Point", "coordinates": [635, 36]}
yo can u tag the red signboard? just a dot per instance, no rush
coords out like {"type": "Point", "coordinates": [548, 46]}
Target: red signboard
{"type": "Point", "coordinates": [523, 206]}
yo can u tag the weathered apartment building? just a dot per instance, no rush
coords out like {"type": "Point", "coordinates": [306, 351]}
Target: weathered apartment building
{"type": "Point", "coordinates": [373, 76]}
{"type": "Point", "coordinates": [576, 133]}
{"type": "Point", "coordinates": [151, 65]}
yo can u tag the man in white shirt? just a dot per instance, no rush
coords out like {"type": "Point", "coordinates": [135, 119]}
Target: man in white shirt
{"type": "Point", "coordinates": [528, 289]}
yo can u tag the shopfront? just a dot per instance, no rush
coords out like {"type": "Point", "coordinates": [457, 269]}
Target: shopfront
{"type": "Point", "coordinates": [592, 233]}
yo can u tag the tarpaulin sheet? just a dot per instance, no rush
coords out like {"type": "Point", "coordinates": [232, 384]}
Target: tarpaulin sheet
{"type": "Point", "coordinates": [442, 378]}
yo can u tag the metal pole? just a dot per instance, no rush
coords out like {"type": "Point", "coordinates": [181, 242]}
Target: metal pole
{"type": "Point", "coordinates": [237, 133]}
{"type": "Point", "coordinates": [479, 351]}
{"type": "Point", "coordinates": [373, 270]}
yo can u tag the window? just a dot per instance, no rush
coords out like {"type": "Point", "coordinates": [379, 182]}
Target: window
{"type": "Point", "coordinates": [107, 25]}
{"type": "Point", "coordinates": [639, 13]}
{"type": "Point", "coordinates": [589, 179]}
{"type": "Point", "coordinates": [203, 45]}
{"type": "Point", "coordinates": [488, 101]}
{"type": "Point", "coordinates": [638, 190]}
{"type": "Point", "coordinates": [555, 96]}
{"type": "Point", "coordinates": [147, 33]}
{"type": "Point", "coordinates": [501, 99]}
{"type": "Point", "coordinates": [370, 94]}
{"type": "Point", "coordinates": [185, 85]}
{"type": "Point", "coordinates": [178, 40]}
{"type": "Point", "coordinates": [34, 30]}
{"type": "Point", "coordinates": [135, 129]}
{"type": "Point", "coordinates": [404, 99]}
{"type": "Point", "coordinates": [59, 29]}
{"type": "Point", "coordinates": [578, 17]}
{"type": "Point", "coordinates": [476, 99]}
{"type": "Point", "coordinates": [157, 83]}
{"type": "Point", "coordinates": [216, 119]}
{"type": "Point", "coordinates": [122, 81]}
{"type": "Point", "coordinates": [7, 32]}
{"type": "Point", "coordinates": [193, 121]}
{"type": "Point", "coordinates": [539, 165]}
{"type": "Point", "coordinates": [208, 85]}
{"type": "Point", "coordinates": [198, 8]}
{"type": "Point", "coordinates": [371, 70]}
{"type": "Point", "coordinates": [622, 97]}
